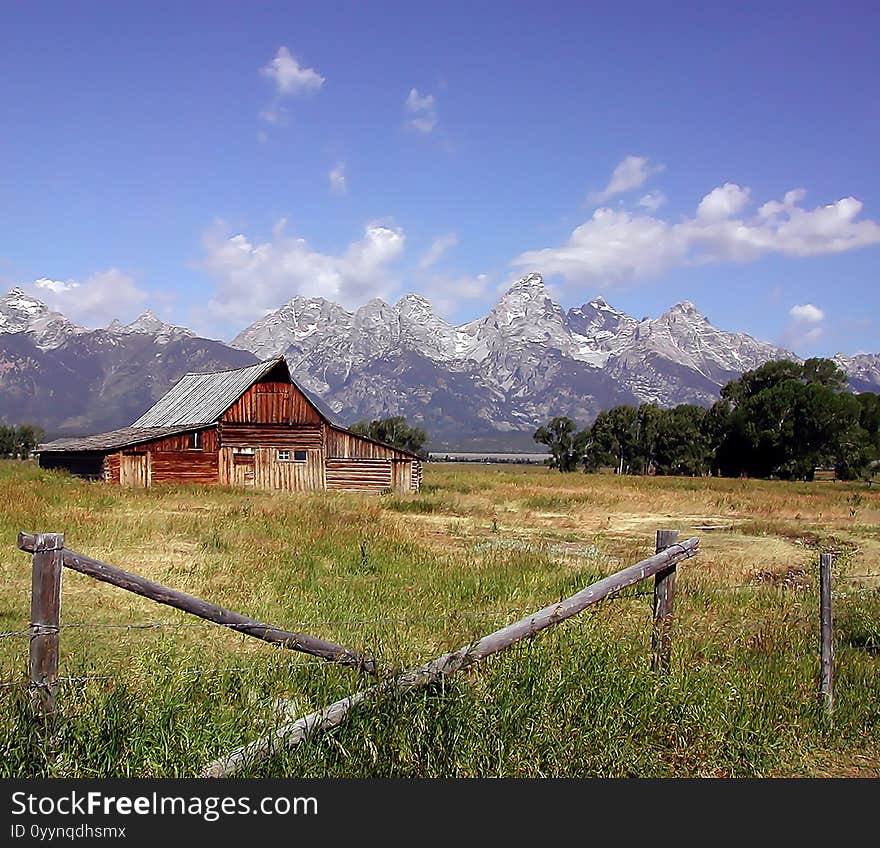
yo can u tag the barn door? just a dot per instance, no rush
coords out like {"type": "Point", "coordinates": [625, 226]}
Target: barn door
{"type": "Point", "coordinates": [243, 465]}
{"type": "Point", "coordinates": [134, 470]}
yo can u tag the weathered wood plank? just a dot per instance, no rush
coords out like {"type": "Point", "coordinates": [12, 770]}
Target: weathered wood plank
{"type": "Point", "coordinates": [204, 609]}
{"type": "Point", "coordinates": [45, 620]}
{"type": "Point", "coordinates": [826, 620]}
{"type": "Point", "coordinates": [664, 604]}
{"type": "Point", "coordinates": [290, 735]}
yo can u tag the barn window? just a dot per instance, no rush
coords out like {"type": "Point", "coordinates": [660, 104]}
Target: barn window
{"type": "Point", "coordinates": [195, 440]}
{"type": "Point", "coordinates": [297, 456]}
{"type": "Point", "coordinates": [243, 451]}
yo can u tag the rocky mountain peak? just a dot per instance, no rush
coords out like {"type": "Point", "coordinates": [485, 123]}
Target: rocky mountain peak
{"type": "Point", "coordinates": [684, 309]}
{"type": "Point", "coordinates": [149, 323]}
{"type": "Point", "coordinates": [17, 301]}
{"type": "Point", "coordinates": [23, 313]}
{"type": "Point", "coordinates": [532, 281]}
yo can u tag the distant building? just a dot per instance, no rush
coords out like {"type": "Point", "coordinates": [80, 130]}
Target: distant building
{"type": "Point", "coordinates": [250, 427]}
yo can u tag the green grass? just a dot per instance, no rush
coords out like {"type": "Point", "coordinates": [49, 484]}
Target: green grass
{"type": "Point", "coordinates": [405, 578]}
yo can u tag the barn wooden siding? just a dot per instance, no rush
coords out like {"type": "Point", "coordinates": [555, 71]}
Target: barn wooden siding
{"type": "Point", "coordinates": [416, 476]}
{"type": "Point", "coordinates": [301, 437]}
{"type": "Point", "coordinates": [360, 475]}
{"type": "Point", "coordinates": [344, 445]}
{"type": "Point", "coordinates": [111, 468]}
{"type": "Point", "coordinates": [271, 402]}
{"type": "Point", "coordinates": [262, 469]}
{"type": "Point", "coordinates": [168, 460]}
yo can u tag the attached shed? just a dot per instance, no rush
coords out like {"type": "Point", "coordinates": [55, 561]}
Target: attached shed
{"type": "Point", "coordinates": [249, 427]}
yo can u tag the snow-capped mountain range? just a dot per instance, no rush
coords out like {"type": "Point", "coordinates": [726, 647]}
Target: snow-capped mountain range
{"type": "Point", "coordinates": [485, 383]}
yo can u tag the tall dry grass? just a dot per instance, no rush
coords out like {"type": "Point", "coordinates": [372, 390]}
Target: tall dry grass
{"type": "Point", "coordinates": [408, 577]}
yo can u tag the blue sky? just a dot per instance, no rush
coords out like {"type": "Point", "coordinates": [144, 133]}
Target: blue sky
{"type": "Point", "coordinates": [212, 160]}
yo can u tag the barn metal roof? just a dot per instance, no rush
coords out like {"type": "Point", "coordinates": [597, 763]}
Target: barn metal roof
{"type": "Point", "coordinates": [203, 398]}
{"type": "Point", "coordinates": [114, 440]}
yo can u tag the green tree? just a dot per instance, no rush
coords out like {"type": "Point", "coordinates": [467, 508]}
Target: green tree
{"type": "Point", "coordinates": [684, 446]}
{"type": "Point", "coordinates": [614, 439]}
{"type": "Point", "coordinates": [786, 419]}
{"type": "Point", "coordinates": [564, 441]}
{"type": "Point", "coordinates": [394, 431]}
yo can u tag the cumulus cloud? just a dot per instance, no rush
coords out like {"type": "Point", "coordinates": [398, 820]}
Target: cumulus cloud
{"type": "Point", "coordinates": [423, 109]}
{"type": "Point", "coordinates": [95, 301]}
{"type": "Point", "coordinates": [337, 178]}
{"type": "Point", "coordinates": [438, 247]}
{"type": "Point", "coordinates": [253, 278]}
{"type": "Point", "coordinates": [289, 76]}
{"type": "Point", "coordinates": [805, 326]}
{"type": "Point", "coordinates": [806, 313]}
{"type": "Point", "coordinates": [722, 202]}
{"type": "Point", "coordinates": [617, 246]}
{"type": "Point", "coordinates": [628, 175]}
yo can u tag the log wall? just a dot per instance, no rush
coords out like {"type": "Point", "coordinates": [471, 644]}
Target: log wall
{"type": "Point", "coordinates": [302, 437]}
{"type": "Point", "coordinates": [111, 468]}
{"type": "Point", "coordinates": [359, 475]}
{"type": "Point", "coordinates": [416, 477]}
{"type": "Point", "coordinates": [189, 466]}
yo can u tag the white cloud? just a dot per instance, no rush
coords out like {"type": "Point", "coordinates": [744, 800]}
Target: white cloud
{"type": "Point", "coordinates": [438, 247]}
{"type": "Point", "coordinates": [337, 178]}
{"type": "Point", "coordinates": [255, 278]}
{"type": "Point", "coordinates": [616, 246]}
{"type": "Point", "coordinates": [289, 76]}
{"type": "Point", "coordinates": [56, 286]}
{"type": "Point", "coordinates": [628, 175]}
{"type": "Point", "coordinates": [807, 313]}
{"type": "Point", "coordinates": [653, 200]}
{"type": "Point", "coordinates": [423, 108]}
{"type": "Point", "coordinates": [95, 301]}
{"type": "Point", "coordinates": [722, 202]}
{"type": "Point", "coordinates": [805, 327]}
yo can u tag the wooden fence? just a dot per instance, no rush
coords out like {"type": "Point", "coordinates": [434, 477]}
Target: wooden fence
{"type": "Point", "coordinates": [50, 558]}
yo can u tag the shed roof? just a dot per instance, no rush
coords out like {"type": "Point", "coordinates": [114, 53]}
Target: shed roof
{"type": "Point", "coordinates": [203, 398]}
{"type": "Point", "coordinates": [114, 440]}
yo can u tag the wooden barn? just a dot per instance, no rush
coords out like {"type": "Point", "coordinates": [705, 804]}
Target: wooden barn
{"type": "Point", "coordinates": [250, 427]}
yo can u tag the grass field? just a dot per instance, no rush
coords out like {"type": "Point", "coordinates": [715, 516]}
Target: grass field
{"type": "Point", "coordinates": [408, 577]}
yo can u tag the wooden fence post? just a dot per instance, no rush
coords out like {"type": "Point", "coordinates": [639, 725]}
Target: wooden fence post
{"type": "Point", "coordinates": [45, 621]}
{"type": "Point", "coordinates": [664, 603]}
{"type": "Point", "coordinates": [826, 682]}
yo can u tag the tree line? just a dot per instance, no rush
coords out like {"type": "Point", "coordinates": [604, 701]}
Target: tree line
{"type": "Point", "coordinates": [19, 442]}
{"type": "Point", "coordinates": [783, 419]}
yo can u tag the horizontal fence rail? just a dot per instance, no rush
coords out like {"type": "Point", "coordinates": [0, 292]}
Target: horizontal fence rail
{"type": "Point", "coordinates": [203, 609]}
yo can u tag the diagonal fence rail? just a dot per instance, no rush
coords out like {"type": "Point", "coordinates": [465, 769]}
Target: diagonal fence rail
{"type": "Point", "coordinates": [659, 566]}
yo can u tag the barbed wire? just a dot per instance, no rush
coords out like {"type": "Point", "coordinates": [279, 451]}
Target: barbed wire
{"type": "Point", "coordinates": [15, 633]}
{"type": "Point", "coordinates": [189, 672]}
